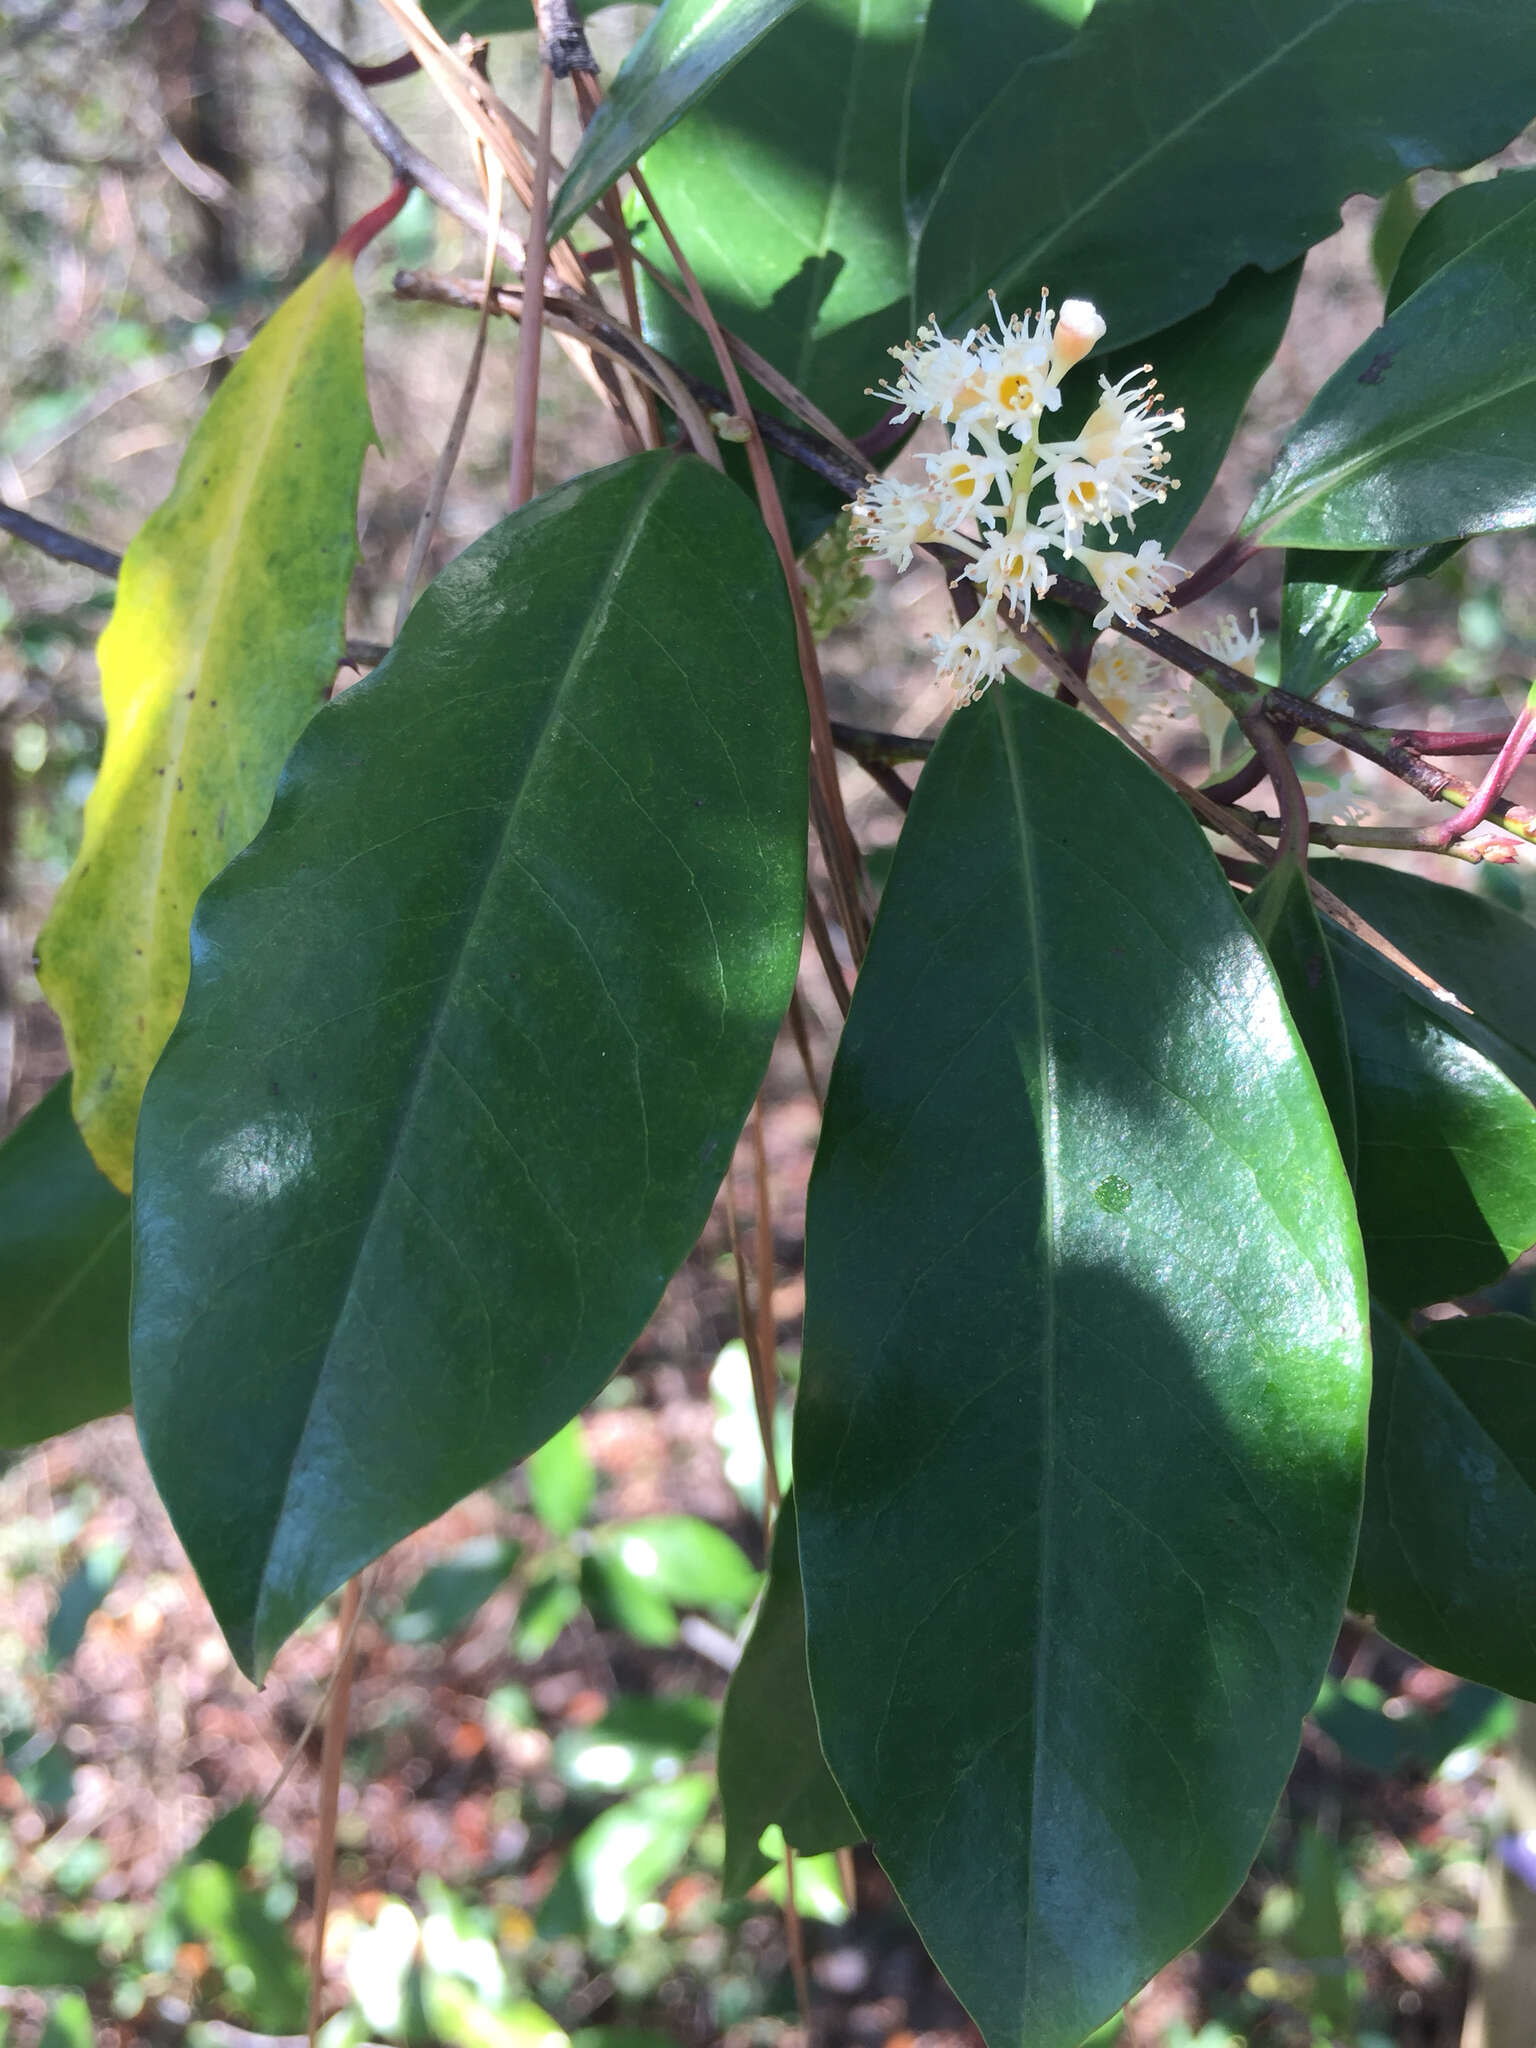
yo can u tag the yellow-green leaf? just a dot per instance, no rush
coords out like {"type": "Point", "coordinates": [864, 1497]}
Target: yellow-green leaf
{"type": "Point", "coordinates": [227, 627]}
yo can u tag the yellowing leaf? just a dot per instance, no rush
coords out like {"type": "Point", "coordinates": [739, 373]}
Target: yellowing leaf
{"type": "Point", "coordinates": [227, 627]}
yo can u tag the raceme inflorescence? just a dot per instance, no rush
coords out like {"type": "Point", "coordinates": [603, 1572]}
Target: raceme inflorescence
{"type": "Point", "coordinates": [992, 392]}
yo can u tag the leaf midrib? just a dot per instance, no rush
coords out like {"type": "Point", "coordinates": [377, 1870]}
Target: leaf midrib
{"type": "Point", "coordinates": [1048, 1334]}
{"type": "Point", "coordinates": [594, 623]}
{"type": "Point", "coordinates": [1031, 257]}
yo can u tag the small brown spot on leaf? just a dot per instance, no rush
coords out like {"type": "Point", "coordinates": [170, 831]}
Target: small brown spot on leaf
{"type": "Point", "coordinates": [1378, 366]}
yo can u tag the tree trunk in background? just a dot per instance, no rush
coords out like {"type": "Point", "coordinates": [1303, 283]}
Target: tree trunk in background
{"type": "Point", "coordinates": [201, 119]}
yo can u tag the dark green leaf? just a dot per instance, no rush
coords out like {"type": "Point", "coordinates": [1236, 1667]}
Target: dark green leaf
{"type": "Point", "coordinates": [682, 57]}
{"type": "Point", "coordinates": [40, 1952]}
{"type": "Point", "coordinates": [79, 1597]}
{"type": "Point", "coordinates": [1080, 1429]}
{"type": "Point", "coordinates": [1447, 1563]}
{"type": "Point", "coordinates": [447, 1595]}
{"type": "Point", "coordinates": [1428, 432]}
{"type": "Point", "coordinates": [784, 189]}
{"type": "Point", "coordinates": [1349, 1712]}
{"type": "Point", "coordinates": [65, 1255]}
{"type": "Point", "coordinates": [968, 45]}
{"type": "Point", "coordinates": [227, 1840]}
{"type": "Point", "coordinates": [1454, 224]}
{"type": "Point", "coordinates": [1284, 918]}
{"type": "Point", "coordinates": [437, 1127]}
{"type": "Point", "coordinates": [1173, 141]}
{"type": "Point", "coordinates": [1484, 954]}
{"type": "Point", "coordinates": [454, 18]}
{"type": "Point", "coordinates": [772, 1771]}
{"type": "Point", "coordinates": [1446, 1180]}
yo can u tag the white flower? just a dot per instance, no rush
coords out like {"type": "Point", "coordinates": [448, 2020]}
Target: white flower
{"type": "Point", "coordinates": [963, 479]}
{"type": "Point", "coordinates": [1134, 684]}
{"type": "Point", "coordinates": [891, 519]}
{"type": "Point", "coordinates": [1086, 497]}
{"type": "Point", "coordinates": [1229, 643]}
{"type": "Point", "coordinates": [1014, 383]}
{"type": "Point", "coordinates": [1131, 584]}
{"type": "Point", "coordinates": [1012, 566]}
{"type": "Point", "coordinates": [976, 653]}
{"type": "Point", "coordinates": [938, 374]}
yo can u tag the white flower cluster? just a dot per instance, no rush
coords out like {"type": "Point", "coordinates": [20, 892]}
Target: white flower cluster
{"type": "Point", "coordinates": [993, 392]}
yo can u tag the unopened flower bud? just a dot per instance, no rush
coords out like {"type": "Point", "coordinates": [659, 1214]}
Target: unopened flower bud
{"type": "Point", "coordinates": [1078, 327]}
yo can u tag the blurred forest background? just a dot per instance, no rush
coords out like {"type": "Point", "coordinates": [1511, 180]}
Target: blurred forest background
{"type": "Point", "coordinates": [528, 1848]}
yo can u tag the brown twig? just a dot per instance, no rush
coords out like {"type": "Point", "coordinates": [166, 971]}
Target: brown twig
{"type": "Point", "coordinates": [1270, 747]}
{"type": "Point", "coordinates": [800, 1032]}
{"type": "Point", "coordinates": [826, 952]}
{"type": "Point", "coordinates": [339, 79]}
{"type": "Point", "coordinates": [525, 387]}
{"type": "Point", "coordinates": [331, 1756]}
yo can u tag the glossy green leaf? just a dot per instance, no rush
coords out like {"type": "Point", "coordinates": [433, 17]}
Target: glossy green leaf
{"type": "Point", "coordinates": [688, 49]}
{"type": "Point", "coordinates": [1446, 1180]}
{"type": "Point", "coordinates": [1447, 1563]}
{"type": "Point", "coordinates": [448, 1595]}
{"type": "Point", "coordinates": [1324, 625]}
{"type": "Point", "coordinates": [1171, 142]}
{"type": "Point", "coordinates": [65, 1258]}
{"type": "Point", "coordinates": [1069, 1393]}
{"type": "Point", "coordinates": [226, 630]}
{"type": "Point", "coordinates": [561, 1480]}
{"type": "Point", "coordinates": [691, 1562]}
{"type": "Point", "coordinates": [1428, 432]}
{"type": "Point", "coordinates": [1455, 224]}
{"type": "Point", "coordinates": [1330, 597]}
{"type": "Point", "coordinates": [784, 189]}
{"type": "Point", "coordinates": [1292, 934]}
{"type": "Point", "coordinates": [1482, 953]}
{"type": "Point", "coordinates": [772, 1771]}
{"type": "Point", "coordinates": [437, 1127]}
{"type": "Point", "coordinates": [954, 80]}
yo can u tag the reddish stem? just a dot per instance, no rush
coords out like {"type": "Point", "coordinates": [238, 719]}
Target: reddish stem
{"type": "Point", "coordinates": [1450, 742]}
{"type": "Point", "coordinates": [1521, 738]}
{"type": "Point", "coordinates": [361, 233]}
{"type": "Point", "coordinates": [386, 74]}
